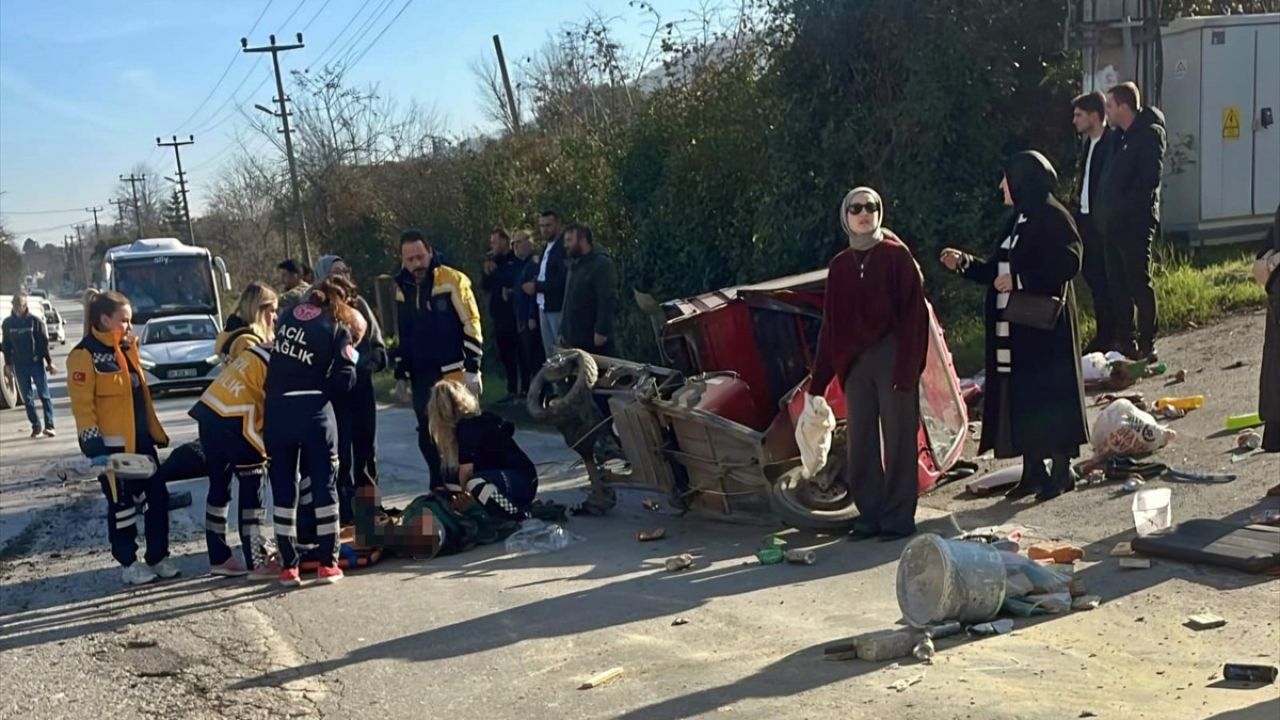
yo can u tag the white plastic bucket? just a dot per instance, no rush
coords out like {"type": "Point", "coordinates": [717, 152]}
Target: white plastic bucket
{"type": "Point", "coordinates": [1152, 510]}
{"type": "Point", "coordinates": [941, 580]}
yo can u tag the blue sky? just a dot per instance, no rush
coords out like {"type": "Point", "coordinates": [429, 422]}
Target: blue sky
{"type": "Point", "coordinates": [87, 85]}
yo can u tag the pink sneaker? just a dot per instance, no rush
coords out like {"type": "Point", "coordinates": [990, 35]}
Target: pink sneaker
{"type": "Point", "coordinates": [230, 568]}
{"type": "Point", "coordinates": [329, 575]}
{"type": "Point", "coordinates": [290, 578]}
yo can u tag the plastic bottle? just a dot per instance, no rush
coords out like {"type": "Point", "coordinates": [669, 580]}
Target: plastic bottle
{"type": "Point", "coordinates": [1240, 422]}
{"type": "Point", "coordinates": [1191, 402]}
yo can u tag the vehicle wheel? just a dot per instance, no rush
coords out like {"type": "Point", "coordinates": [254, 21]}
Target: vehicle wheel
{"type": "Point", "coordinates": [562, 388]}
{"type": "Point", "coordinates": [800, 503]}
{"type": "Point", "coordinates": [8, 389]}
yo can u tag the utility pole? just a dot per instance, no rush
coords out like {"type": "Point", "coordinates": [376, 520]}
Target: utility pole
{"type": "Point", "coordinates": [97, 231]}
{"type": "Point", "coordinates": [506, 82]}
{"type": "Point", "coordinates": [182, 181]}
{"type": "Point", "coordinates": [137, 213]}
{"type": "Point", "coordinates": [119, 212]}
{"type": "Point", "coordinates": [283, 114]}
{"type": "Point", "coordinates": [77, 261]}
{"type": "Point", "coordinates": [84, 266]}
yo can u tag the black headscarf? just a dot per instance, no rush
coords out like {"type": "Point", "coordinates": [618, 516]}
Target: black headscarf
{"type": "Point", "coordinates": [1031, 179]}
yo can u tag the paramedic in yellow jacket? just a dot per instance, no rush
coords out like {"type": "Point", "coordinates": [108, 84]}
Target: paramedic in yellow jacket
{"type": "Point", "coordinates": [113, 411]}
{"type": "Point", "coordinates": [439, 331]}
{"type": "Point", "coordinates": [229, 415]}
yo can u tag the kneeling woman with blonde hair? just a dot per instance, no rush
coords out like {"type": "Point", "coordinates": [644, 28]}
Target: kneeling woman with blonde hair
{"type": "Point", "coordinates": [479, 454]}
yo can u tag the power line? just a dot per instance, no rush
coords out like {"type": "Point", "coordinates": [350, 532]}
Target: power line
{"type": "Point", "coordinates": [334, 41]}
{"type": "Point", "coordinates": [369, 47]}
{"type": "Point", "coordinates": [232, 98]}
{"type": "Point", "coordinates": [286, 20]}
{"type": "Point", "coordinates": [39, 212]}
{"type": "Point", "coordinates": [362, 31]}
{"type": "Point", "coordinates": [33, 231]}
{"type": "Point", "coordinates": [226, 70]}
{"type": "Point", "coordinates": [313, 17]}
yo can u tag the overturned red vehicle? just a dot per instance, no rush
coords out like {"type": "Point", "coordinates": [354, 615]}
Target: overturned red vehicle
{"type": "Point", "coordinates": [713, 428]}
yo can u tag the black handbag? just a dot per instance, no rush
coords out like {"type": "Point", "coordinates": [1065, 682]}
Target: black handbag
{"type": "Point", "coordinates": [1034, 311]}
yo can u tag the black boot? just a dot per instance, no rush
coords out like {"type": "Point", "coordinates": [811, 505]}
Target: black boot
{"type": "Point", "coordinates": [1061, 480]}
{"type": "Point", "coordinates": [1271, 437]}
{"type": "Point", "coordinates": [1032, 470]}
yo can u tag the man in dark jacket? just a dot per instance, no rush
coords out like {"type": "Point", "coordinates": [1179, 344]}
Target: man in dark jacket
{"type": "Point", "coordinates": [26, 350]}
{"type": "Point", "coordinates": [501, 274]}
{"type": "Point", "coordinates": [552, 272]}
{"type": "Point", "coordinates": [590, 295]}
{"type": "Point", "coordinates": [1088, 115]}
{"type": "Point", "coordinates": [532, 354]}
{"type": "Point", "coordinates": [1129, 210]}
{"type": "Point", "coordinates": [438, 329]}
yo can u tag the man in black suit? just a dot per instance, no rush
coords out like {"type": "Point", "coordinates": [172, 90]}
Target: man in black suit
{"type": "Point", "coordinates": [1088, 115]}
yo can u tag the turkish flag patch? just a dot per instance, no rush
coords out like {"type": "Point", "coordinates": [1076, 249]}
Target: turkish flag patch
{"type": "Point", "coordinates": [78, 377]}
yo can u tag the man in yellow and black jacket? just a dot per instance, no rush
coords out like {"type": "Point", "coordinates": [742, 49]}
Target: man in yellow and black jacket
{"type": "Point", "coordinates": [113, 412]}
{"type": "Point", "coordinates": [439, 330]}
{"type": "Point", "coordinates": [229, 416]}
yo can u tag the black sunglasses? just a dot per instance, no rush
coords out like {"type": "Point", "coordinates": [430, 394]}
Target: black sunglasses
{"type": "Point", "coordinates": [857, 208]}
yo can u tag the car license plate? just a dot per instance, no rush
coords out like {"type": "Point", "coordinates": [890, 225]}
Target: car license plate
{"type": "Point", "coordinates": [185, 373]}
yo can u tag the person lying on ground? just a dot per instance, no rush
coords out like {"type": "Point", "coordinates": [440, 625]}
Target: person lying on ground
{"type": "Point", "coordinates": [438, 523]}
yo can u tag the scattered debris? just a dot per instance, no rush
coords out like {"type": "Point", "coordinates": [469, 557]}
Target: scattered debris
{"type": "Point", "coordinates": [773, 542]}
{"type": "Point", "coordinates": [996, 627]}
{"type": "Point", "coordinates": [1058, 553]}
{"type": "Point", "coordinates": [1086, 602]}
{"type": "Point", "coordinates": [1135, 563]}
{"type": "Point", "coordinates": [651, 535]}
{"type": "Point", "coordinates": [937, 632]}
{"type": "Point", "coordinates": [802, 557]}
{"type": "Point", "coordinates": [140, 644]}
{"type": "Point", "coordinates": [1240, 422]}
{"type": "Point", "coordinates": [679, 562]}
{"type": "Point", "coordinates": [651, 505]}
{"type": "Point", "coordinates": [903, 684]}
{"type": "Point", "coordinates": [1090, 713]}
{"type": "Point", "coordinates": [770, 556]}
{"type": "Point", "coordinates": [924, 650]}
{"type": "Point", "coordinates": [679, 621]}
{"type": "Point", "coordinates": [1179, 377]}
{"type": "Point", "coordinates": [1205, 621]}
{"type": "Point", "coordinates": [1236, 365]}
{"type": "Point", "coordinates": [1122, 549]}
{"type": "Point", "coordinates": [1133, 483]}
{"type": "Point", "coordinates": [1248, 439]}
{"type": "Point", "coordinates": [842, 651]}
{"type": "Point", "coordinates": [603, 678]}
{"type": "Point", "coordinates": [1243, 672]}
{"type": "Point", "coordinates": [885, 644]}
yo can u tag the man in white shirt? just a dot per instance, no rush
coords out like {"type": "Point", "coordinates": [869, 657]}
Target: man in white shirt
{"type": "Point", "coordinates": [552, 275]}
{"type": "Point", "coordinates": [1089, 118]}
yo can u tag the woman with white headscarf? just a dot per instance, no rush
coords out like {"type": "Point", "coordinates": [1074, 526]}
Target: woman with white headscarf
{"type": "Point", "coordinates": [874, 338]}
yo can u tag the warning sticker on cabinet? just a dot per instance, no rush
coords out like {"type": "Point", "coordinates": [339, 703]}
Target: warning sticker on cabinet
{"type": "Point", "coordinates": [1231, 122]}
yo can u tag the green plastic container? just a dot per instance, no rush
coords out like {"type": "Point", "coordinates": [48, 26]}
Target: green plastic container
{"type": "Point", "coordinates": [770, 556]}
{"type": "Point", "coordinates": [773, 542]}
{"type": "Point", "coordinates": [1240, 422]}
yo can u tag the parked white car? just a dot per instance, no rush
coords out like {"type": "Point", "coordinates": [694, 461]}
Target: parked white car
{"type": "Point", "coordinates": [55, 325]}
{"type": "Point", "coordinates": [177, 352]}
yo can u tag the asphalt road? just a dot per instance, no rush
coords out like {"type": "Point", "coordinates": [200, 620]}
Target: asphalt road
{"type": "Point", "coordinates": [491, 635]}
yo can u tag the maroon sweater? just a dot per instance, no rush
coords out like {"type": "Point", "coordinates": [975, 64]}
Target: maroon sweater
{"type": "Point", "coordinates": [872, 294]}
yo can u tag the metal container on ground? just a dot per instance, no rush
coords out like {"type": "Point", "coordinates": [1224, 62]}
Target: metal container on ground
{"type": "Point", "coordinates": [949, 580]}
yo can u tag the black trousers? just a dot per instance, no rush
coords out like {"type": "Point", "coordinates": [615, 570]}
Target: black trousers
{"type": "Point", "coordinates": [357, 416]}
{"type": "Point", "coordinates": [302, 431]}
{"type": "Point", "coordinates": [148, 497]}
{"type": "Point", "coordinates": [422, 384]}
{"type": "Point", "coordinates": [228, 454]}
{"type": "Point", "coordinates": [884, 480]}
{"type": "Point", "coordinates": [1095, 276]}
{"type": "Point", "coordinates": [508, 337]}
{"type": "Point", "coordinates": [1129, 275]}
{"type": "Point", "coordinates": [532, 355]}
